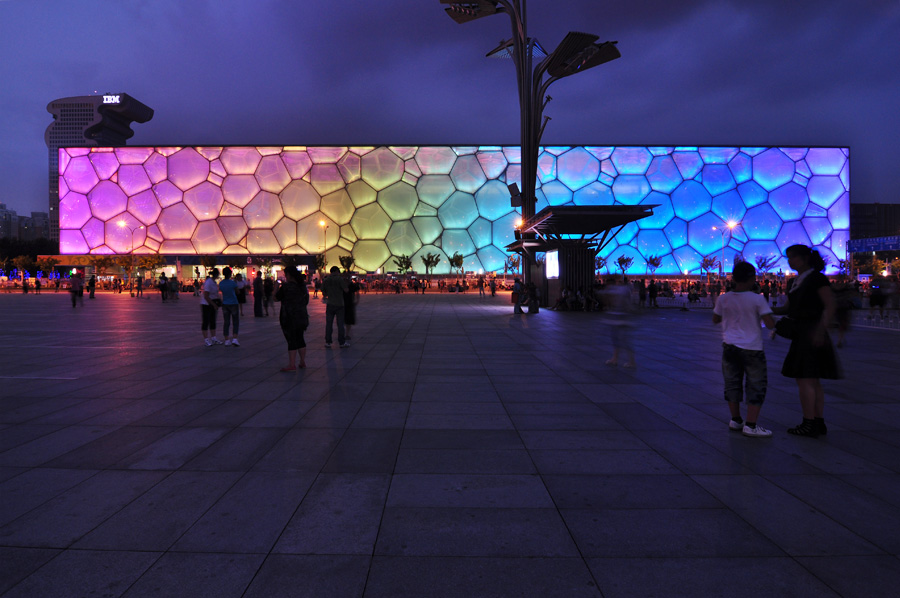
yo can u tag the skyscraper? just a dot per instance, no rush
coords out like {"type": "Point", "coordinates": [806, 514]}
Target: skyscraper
{"type": "Point", "coordinates": [101, 120]}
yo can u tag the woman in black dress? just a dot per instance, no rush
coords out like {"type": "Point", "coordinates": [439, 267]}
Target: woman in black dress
{"type": "Point", "coordinates": [811, 357]}
{"type": "Point", "coordinates": [293, 317]}
{"type": "Point", "coordinates": [351, 298]}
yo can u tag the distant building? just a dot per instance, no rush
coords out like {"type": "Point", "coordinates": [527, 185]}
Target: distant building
{"type": "Point", "coordinates": [101, 120]}
{"type": "Point", "coordinates": [27, 228]}
{"type": "Point", "coordinates": [9, 223]}
{"type": "Point", "coordinates": [868, 220]}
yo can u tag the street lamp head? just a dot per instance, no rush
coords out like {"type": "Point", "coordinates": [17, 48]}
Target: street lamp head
{"type": "Point", "coordinates": [122, 224]}
{"type": "Point", "coordinates": [321, 223]}
{"type": "Point", "coordinates": [578, 52]}
{"type": "Point", "coordinates": [463, 12]}
{"type": "Point", "coordinates": [732, 224]}
{"type": "Point", "coordinates": [506, 49]}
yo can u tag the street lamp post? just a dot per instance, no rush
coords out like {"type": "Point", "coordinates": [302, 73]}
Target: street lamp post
{"type": "Point", "coordinates": [728, 228]}
{"type": "Point", "coordinates": [576, 53]}
{"type": "Point", "coordinates": [123, 224]}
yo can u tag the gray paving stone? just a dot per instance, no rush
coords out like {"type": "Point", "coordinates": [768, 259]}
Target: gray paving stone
{"type": "Point", "coordinates": [468, 490]}
{"type": "Point", "coordinates": [197, 575]}
{"type": "Point", "coordinates": [691, 455]}
{"type": "Point", "coordinates": [18, 563]}
{"type": "Point", "coordinates": [173, 450]}
{"type": "Point", "coordinates": [48, 447]}
{"type": "Point", "coordinates": [596, 462]}
{"type": "Point", "coordinates": [856, 576]}
{"type": "Point", "coordinates": [279, 414]}
{"type": "Point", "coordinates": [293, 576]}
{"type": "Point", "coordinates": [18, 434]}
{"type": "Point", "coordinates": [301, 450]}
{"type": "Point", "coordinates": [365, 451]}
{"type": "Point", "coordinates": [461, 439]}
{"type": "Point", "coordinates": [463, 461]}
{"type": "Point", "coordinates": [628, 492]}
{"type": "Point", "coordinates": [579, 439]}
{"type": "Point", "coordinates": [238, 450]}
{"type": "Point", "coordinates": [340, 514]}
{"type": "Point", "coordinates": [35, 487]}
{"type": "Point", "coordinates": [108, 450]}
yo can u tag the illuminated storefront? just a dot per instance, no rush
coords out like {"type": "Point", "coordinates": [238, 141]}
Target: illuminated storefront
{"type": "Point", "coordinates": [380, 202]}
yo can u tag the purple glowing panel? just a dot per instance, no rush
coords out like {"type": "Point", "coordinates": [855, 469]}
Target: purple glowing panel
{"type": "Point", "coordinates": [378, 201]}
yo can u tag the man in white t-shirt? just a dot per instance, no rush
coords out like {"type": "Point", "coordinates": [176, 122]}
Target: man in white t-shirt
{"type": "Point", "coordinates": [210, 300]}
{"type": "Point", "coordinates": [740, 311]}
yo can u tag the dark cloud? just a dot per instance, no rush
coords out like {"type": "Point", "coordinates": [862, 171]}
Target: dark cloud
{"type": "Point", "coordinates": [400, 71]}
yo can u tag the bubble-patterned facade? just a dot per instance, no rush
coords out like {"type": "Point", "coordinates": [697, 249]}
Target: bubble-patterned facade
{"type": "Point", "coordinates": [380, 202]}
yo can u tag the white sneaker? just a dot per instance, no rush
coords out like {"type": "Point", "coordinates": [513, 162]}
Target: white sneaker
{"type": "Point", "coordinates": [757, 432]}
{"type": "Point", "coordinates": [235, 343]}
{"type": "Point", "coordinates": [735, 426]}
{"type": "Point", "coordinates": [227, 343]}
{"type": "Point", "coordinates": [216, 341]}
{"type": "Point", "coordinates": [208, 342]}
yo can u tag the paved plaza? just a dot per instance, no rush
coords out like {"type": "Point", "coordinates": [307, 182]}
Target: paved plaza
{"type": "Point", "coordinates": [453, 450]}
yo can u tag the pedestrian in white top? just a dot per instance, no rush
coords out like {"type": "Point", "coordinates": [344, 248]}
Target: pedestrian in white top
{"type": "Point", "coordinates": [743, 358]}
{"type": "Point", "coordinates": [210, 301]}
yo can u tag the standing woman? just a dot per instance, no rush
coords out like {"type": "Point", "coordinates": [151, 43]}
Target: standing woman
{"type": "Point", "coordinates": [293, 317]}
{"type": "Point", "coordinates": [351, 298]}
{"type": "Point", "coordinates": [811, 357]}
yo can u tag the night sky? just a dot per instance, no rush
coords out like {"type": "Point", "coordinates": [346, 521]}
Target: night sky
{"type": "Point", "coordinates": [400, 72]}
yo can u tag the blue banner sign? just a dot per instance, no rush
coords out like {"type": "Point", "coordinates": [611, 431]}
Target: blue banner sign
{"type": "Point", "coordinates": [874, 244]}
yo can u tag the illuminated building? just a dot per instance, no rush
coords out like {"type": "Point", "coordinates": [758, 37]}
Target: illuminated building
{"type": "Point", "coordinates": [101, 120]}
{"type": "Point", "coordinates": [380, 202]}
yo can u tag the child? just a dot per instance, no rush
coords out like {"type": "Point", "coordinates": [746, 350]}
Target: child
{"type": "Point", "coordinates": [740, 311]}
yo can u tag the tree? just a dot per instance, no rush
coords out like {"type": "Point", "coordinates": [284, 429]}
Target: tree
{"type": "Point", "coordinates": [512, 264]}
{"type": "Point", "coordinates": [708, 263]}
{"type": "Point", "coordinates": [456, 262]}
{"type": "Point", "coordinates": [346, 262]}
{"type": "Point", "coordinates": [151, 262]}
{"type": "Point", "coordinates": [25, 264]}
{"type": "Point", "coordinates": [102, 263]}
{"type": "Point", "coordinates": [653, 262]}
{"type": "Point", "coordinates": [599, 263]}
{"type": "Point", "coordinates": [624, 262]}
{"type": "Point", "coordinates": [125, 262]}
{"type": "Point", "coordinates": [236, 262]}
{"type": "Point", "coordinates": [46, 264]}
{"type": "Point", "coordinates": [208, 262]}
{"type": "Point", "coordinates": [321, 262]}
{"type": "Point", "coordinates": [764, 263]}
{"type": "Point", "coordinates": [264, 264]}
{"type": "Point", "coordinates": [404, 263]}
{"type": "Point", "coordinates": [430, 261]}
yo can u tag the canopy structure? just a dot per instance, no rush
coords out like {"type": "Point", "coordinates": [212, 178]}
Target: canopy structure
{"type": "Point", "coordinates": [556, 227]}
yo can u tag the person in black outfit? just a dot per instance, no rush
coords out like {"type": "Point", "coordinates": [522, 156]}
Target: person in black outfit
{"type": "Point", "coordinates": [268, 289]}
{"type": "Point", "coordinates": [293, 317]}
{"type": "Point", "coordinates": [811, 357]}
{"type": "Point", "coordinates": [258, 296]}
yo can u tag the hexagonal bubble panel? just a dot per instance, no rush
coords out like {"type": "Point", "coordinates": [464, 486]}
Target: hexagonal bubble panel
{"type": "Point", "coordinates": [691, 199]}
{"type": "Point", "coordinates": [472, 264]}
{"type": "Point", "coordinates": [349, 167]}
{"type": "Point", "coordinates": [326, 155]}
{"type": "Point", "coordinates": [326, 178]}
{"type": "Point", "coordinates": [314, 237]}
{"type": "Point", "coordinates": [729, 206]}
{"type": "Point", "coordinates": [630, 189]}
{"type": "Point", "coordinates": [824, 190]}
{"type": "Point", "coordinates": [453, 241]}
{"type": "Point", "coordinates": [663, 175]}
{"type": "Point", "coordinates": [546, 167]}
{"type": "Point", "coordinates": [819, 229]}
{"type": "Point", "coordinates": [402, 239]}
{"type": "Point", "coordinates": [706, 239]}
{"type": "Point", "coordinates": [272, 174]}
{"type": "Point", "coordinates": [297, 163]}
{"type": "Point", "coordinates": [239, 189]}
{"type": "Point", "coordinates": [133, 179]}
{"type": "Point", "coordinates": [235, 250]}
{"type": "Point", "coordinates": [187, 168]}
{"type": "Point", "coordinates": [653, 242]}
{"type": "Point", "coordinates": [467, 175]}
{"type": "Point", "coordinates": [826, 160]}
{"type": "Point", "coordinates": [755, 249]}
{"type": "Point", "coordinates": [595, 194]}
{"type": "Point", "coordinates": [234, 228]}
{"type": "Point", "coordinates": [405, 152]}
{"type": "Point", "coordinates": [381, 168]}
{"type": "Point", "coordinates": [205, 200]}
{"type": "Point", "coordinates": [262, 241]}
{"type": "Point", "coordinates": [371, 255]}
{"type": "Point", "coordinates": [772, 168]}
{"type": "Point", "coordinates": [124, 237]}
{"type": "Point", "coordinates": [263, 211]}
{"type": "Point", "coordinates": [556, 193]}
{"type": "Point", "coordinates": [370, 222]}
{"type": "Point", "coordinates": [631, 160]}
{"type": "Point", "coordinates": [492, 259]}
{"type": "Point", "coordinates": [208, 238]}
{"type": "Point", "coordinates": [791, 233]}
{"type": "Point", "coordinates": [677, 232]}
{"type": "Point", "coordinates": [94, 233]}
{"type": "Point", "coordinates": [80, 175]}
{"type": "Point", "coordinates": [662, 214]}
{"type": "Point", "coordinates": [299, 200]}
{"type": "Point", "coordinates": [492, 163]}
{"type": "Point", "coordinates": [839, 240]}
{"type": "Point", "coordinates": [761, 222]}
{"type": "Point", "coordinates": [74, 210]}
{"type": "Point", "coordinates": [577, 168]}
{"type": "Point", "coordinates": [481, 232]}
{"type": "Point", "coordinates": [286, 232]}
{"type": "Point", "coordinates": [428, 228]}
{"type": "Point", "coordinates": [144, 207]}
{"type": "Point", "coordinates": [230, 210]}
{"type": "Point", "coordinates": [72, 242]}
{"type": "Point", "coordinates": [436, 160]}
{"type": "Point", "coordinates": [717, 179]}
{"type": "Point", "coordinates": [435, 189]}
{"type": "Point", "coordinates": [178, 246]}
{"type": "Point", "coordinates": [689, 163]}
{"type": "Point", "coordinates": [493, 200]}
{"type": "Point", "coordinates": [627, 233]}
{"type": "Point", "coordinates": [839, 212]}
{"type": "Point", "coordinates": [443, 266]}
{"type": "Point", "coordinates": [399, 201]}
{"type": "Point", "coordinates": [741, 168]}
{"type": "Point", "coordinates": [688, 259]}
{"type": "Point", "coordinates": [156, 168]}
{"type": "Point", "coordinates": [789, 201]}
{"type": "Point", "coordinates": [105, 164]}
{"type": "Point", "coordinates": [504, 230]}
{"type": "Point", "coordinates": [240, 160]}
{"type": "Point", "coordinates": [338, 206]}
{"type": "Point", "coordinates": [347, 233]}
{"type": "Point", "coordinates": [177, 222]}
{"type": "Point", "coordinates": [717, 155]}
{"type": "Point", "coordinates": [459, 211]}
{"type": "Point", "coordinates": [133, 155]}
{"type": "Point", "coordinates": [752, 194]}
{"type": "Point", "coordinates": [361, 193]}
{"type": "Point", "coordinates": [107, 200]}
{"type": "Point", "coordinates": [638, 264]}
{"type": "Point", "coordinates": [216, 168]}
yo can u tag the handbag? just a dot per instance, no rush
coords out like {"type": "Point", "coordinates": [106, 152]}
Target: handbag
{"type": "Point", "coordinates": [514, 298]}
{"type": "Point", "coordinates": [786, 327]}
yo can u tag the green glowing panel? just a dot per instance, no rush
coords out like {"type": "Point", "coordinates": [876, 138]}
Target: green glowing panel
{"type": "Point", "coordinates": [398, 201]}
{"type": "Point", "coordinates": [402, 239]}
{"type": "Point", "coordinates": [435, 189]}
{"type": "Point", "coordinates": [429, 228]}
{"type": "Point", "coordinates": [370, 222]}
{"type": "Point", "coordinates": [370, 255]}
{"type": "Point", "coordinates": [381, 168]}
{"type": "Point", "coordinates": [459, 211]}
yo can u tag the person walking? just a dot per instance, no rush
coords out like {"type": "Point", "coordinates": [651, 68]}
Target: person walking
{"type": "Point", "coordinates": [743, 358]}
{"type": "Point", "coordinates": [76, 289]}
{"type": "Point", "coordinates": [268, 291]}
{"type": "Point", "coordinates": [241, 286]}
{"type": "Point", "coordinates": [351, 299]}
{"type": "Point", "coordinates": [92, 286]}
{"type": "Point", "coordinates": [210, 301]}
{"type": "Point", "coordinates": [293, 317]}
{"type": "Point", "coordinates": [258, 295]}
{"type": "Point", "coordinates": [140, 287]}
{"type": "Point", "coordinates": [333, 288]}
{"type": "Point", "coordinates": [230, 308]}
{"type": "Point", "coordinates": [810, 304]}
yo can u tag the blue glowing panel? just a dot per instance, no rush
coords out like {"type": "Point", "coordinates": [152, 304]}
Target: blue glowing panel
{"type": "Point", "coordinates": [789, 201]}
{"type": "Point", "coordinates": [653, 242]}
{"type": "Point", "coordinates": [631, 160]}
{"type": "Point", "coordinates": [772, 168]}
{"type": "Point", "coordinates": [663, 174]}
{"type": "Point", "coordinates": [688, 260]}
{"type": "Point", "coordinates": [825, 190]}
{"type": "Point", "coordinates": [819, 229]}
{"type": "Point", "coordinates": [729, 206]}
{"type": "Point", "coordinates": [595, 194]}
{"type": "Point", "coordinates": [755, 249]}
{"type": "Point", "coordinates": [628, 233]}
{"type": "Point", "coordinates": [839, 212]}
{"type": "Point", "coordinates": [717, 155]}
{"type": "Point", "coordinates": [689, 163]}
{"type": "Point", "coordinates": [630, 189]}
{"type": "Point", "coordinates": [792, 233]}
{"type": "Point", "coordinates": [492, 258]}
{"type": "Point", "coordinates": [662, 214]}
{"type": "Point", "coordinates": [459, 211]}
{"type": "Point", "coordinates": [453, 241]}
{"type": "Point", "coordinates": [705, 234]}
{"type": "Point", "coordinates": [577, 168]}
{"type": "Point", "coordinates": [752, 194]}
{"type": "Point", "coordinates": [481, 232]}
{"type": "Point", "coordinates": [691, 200]}
{"type": "Point", "coordinates": [493, 200]}
{"type": "Point", "coordinates": [467, 175]}
{"type": "Point", "coordinates": [556, 193]}
{"type": "Point", "coordinates": [826, 160]}
{"type": "Point", "coordinates": [794, 153]}
{"type": "Point", "coordinates": [677, 232]}
{"type": "Point", "coordinates": [504, 230]}
{"type": "Point", "coordinates": [638, 263]}
{"type": "Point", "coordinates": [761, 222]}
{"type": "Point", "coordinates": [741, 168]}
{"type": "Point", "coordinates": [717, 179]}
